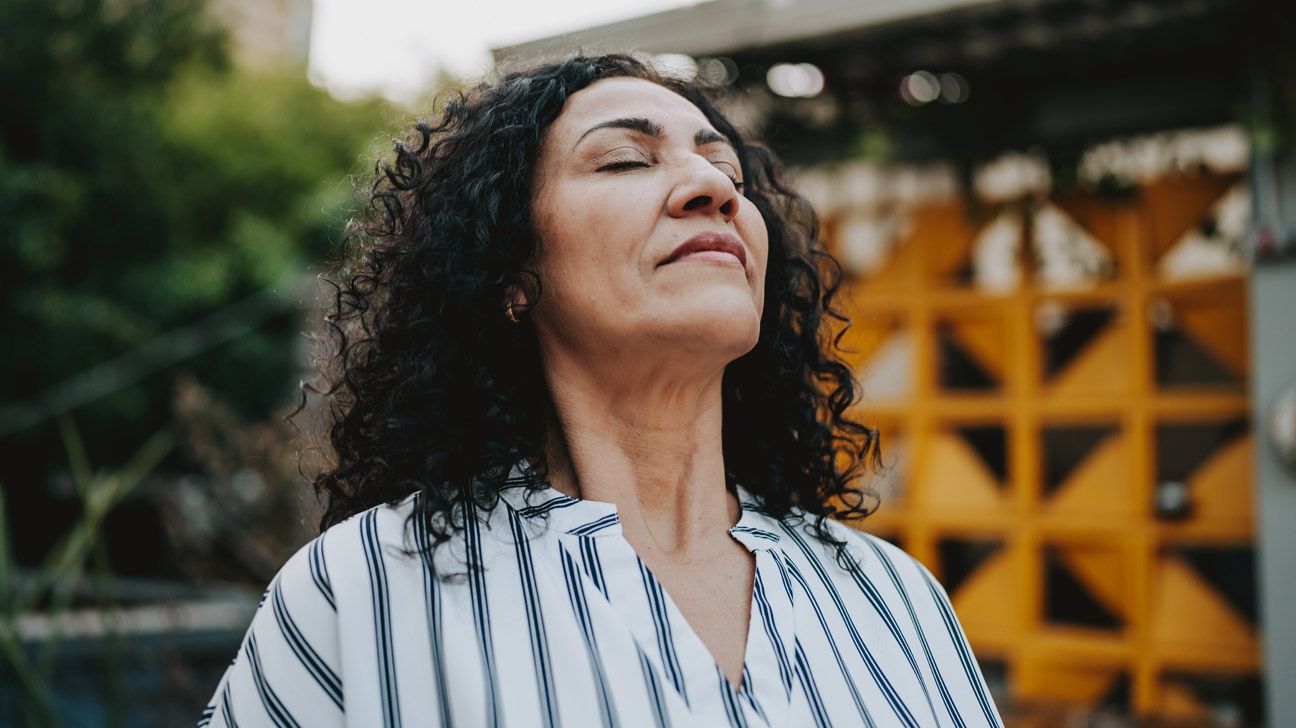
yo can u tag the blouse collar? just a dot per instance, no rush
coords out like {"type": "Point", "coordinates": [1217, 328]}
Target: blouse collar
{"type": "Point", "coordinates": [579, 517]}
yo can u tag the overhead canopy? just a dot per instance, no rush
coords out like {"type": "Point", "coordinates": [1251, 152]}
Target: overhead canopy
{"type": "Point", "coordinates": [722, 26]}
{"type": "Point", "coordinates": [1052, 73]}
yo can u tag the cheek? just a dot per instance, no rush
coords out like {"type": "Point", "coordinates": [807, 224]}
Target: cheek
{"type": "Point", "coordinates": [561, 231]}
{"type": "Point", "coordinates": [595, 225]}
{"type": "Point", "coordinates": [578, 259]}
{"type": "Point", "coordinates": [757, 236]}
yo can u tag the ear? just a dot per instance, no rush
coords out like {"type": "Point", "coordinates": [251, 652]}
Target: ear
{"type": "Point", "coordinates": [514, 295]}
{"type": "Point", "coordinates": [515, 305]}
{"type": "Point", "coordinates": [523, 293]}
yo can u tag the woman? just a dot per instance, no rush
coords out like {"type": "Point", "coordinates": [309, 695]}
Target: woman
{"type": "Point", "coordinates": [589, 432]}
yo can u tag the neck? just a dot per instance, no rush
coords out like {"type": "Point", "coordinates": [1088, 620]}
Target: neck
{"type": "Point", "coordinates": [650, 443]}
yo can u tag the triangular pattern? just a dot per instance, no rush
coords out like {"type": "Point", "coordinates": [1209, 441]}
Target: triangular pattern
{"type": "Point", "coordinates": [1101, 218]}
{"type": "Point", "coordinates": [1174, 205]}
{"type": "Point", "coordinates": [948, 233]}
{"type": "Point", "coordinates": [1102, 573]}
{"type": "Point", "coordinates": [1197, 694]}
{"type": "Point", "coordinates": [958, 368]}
{"type": "Point", "coordinates": [1085, 376]}
{"type": "Point", "coordinates": [1182, 448]}
{"type": "Point", "coordinates": [1222, 487]}
{"type": "Point", "coordinates": [1182, 362]}
{"type": "Point", "coordinates": [1066, 255]}
{"type": "Point", "coordinates": [1100, 484]}
{"type": "Point", "coordinates": [887, 373]}
{"type": "Point", "coordinates": [1220, 329]}
{"type": "Point", "coordinates": [955, 479]}
{"type": "Point", "coordinates": [990, 442]}
{"type": "Point", "coordinates": [1187, 612]}
{"type": "Point", "coordinates": [983, 340]}
{"type": "Point", "coordinates": [1230, 571]}
{"type": "Point", "coordinates": [1117, 694]}
{"type": "Point", "coordinates": [1065, 448]}
{"type": "Point", "coordinates": [1178, 702]}
{"type": "Point", "coordinates": [1215, 246]}
{"type": "Point", "coordinates": [985, 600]}
{"type": "Point", "coordinates": [1104, 366]}
{"type": "Point", "coordinates": [961, 558]}
{"type": "Point", "coordinates": [1068, 601]}
{"type": "Point", "coordinates": [1082, 326]}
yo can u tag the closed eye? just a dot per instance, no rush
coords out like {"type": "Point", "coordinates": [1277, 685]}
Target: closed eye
{"type": "Point", "coordinates": [638, 163]}
{"type": "Point", "coordinates": [626, 164]}
{"type": "Point", "coordinates": [732, 175]}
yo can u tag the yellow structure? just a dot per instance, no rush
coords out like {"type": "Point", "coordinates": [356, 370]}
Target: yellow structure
{"type": "Point", "coordinates": [1071, 457]}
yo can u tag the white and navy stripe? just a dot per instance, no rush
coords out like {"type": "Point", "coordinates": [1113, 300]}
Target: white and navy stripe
{"type": "Point", "coordinates": [566, 626]}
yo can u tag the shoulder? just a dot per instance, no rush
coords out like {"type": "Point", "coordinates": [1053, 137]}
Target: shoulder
{"type": "Point", "coordinates": [329, 562]}
{"type": "Point", "coordinates": [865, 556]}
{"type": "Point", "coordinates": [890, 579]}
{"type": "Point", "coordinates": [388, 542]}
{"type": "Point", "coordinates": [878, 557]}
{"type": "Point", "coordinates": [920, 615]}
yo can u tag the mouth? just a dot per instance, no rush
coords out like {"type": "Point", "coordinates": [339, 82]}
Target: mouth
{"type": "Point", "coordinates": [709, 246]}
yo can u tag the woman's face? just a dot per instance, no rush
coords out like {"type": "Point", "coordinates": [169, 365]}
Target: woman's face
{"type": "Point", "coordinates": [632, 177]}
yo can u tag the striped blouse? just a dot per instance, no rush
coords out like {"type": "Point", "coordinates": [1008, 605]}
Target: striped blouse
{"type": "Point", "coordinates": [567, 626]}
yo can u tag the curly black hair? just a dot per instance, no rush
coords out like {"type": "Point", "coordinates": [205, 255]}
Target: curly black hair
{"type": "Point", "coordinates": [433, 390]}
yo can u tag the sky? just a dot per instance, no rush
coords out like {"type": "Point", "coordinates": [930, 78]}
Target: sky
{"type": "Point", "coordinates": [395, 47]}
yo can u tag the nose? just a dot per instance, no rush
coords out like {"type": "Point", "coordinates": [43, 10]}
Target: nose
{"type": "Point", "coordinates": [703, 190]}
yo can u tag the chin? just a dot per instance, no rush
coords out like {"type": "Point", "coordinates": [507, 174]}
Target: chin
{"type": "Point", "coordinates": [727, 330]}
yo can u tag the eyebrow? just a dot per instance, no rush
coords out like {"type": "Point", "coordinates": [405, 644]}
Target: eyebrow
{"type": "Point", "coordinates": [648, 127]}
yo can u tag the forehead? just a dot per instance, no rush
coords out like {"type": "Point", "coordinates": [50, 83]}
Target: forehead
{"type": "Point", "coordinates": [614, 98]}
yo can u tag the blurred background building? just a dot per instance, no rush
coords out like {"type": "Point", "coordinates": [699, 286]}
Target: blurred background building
{"type": "Point", "coordinates": [1069, 235]}
{"type": "Point", "coordinates": [266, 33]}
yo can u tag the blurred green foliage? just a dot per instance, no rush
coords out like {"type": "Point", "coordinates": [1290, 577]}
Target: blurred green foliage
{"type": "Point", "coordinates": [32, 671]}
{"type": "Point", "coordinates": [145, 181]}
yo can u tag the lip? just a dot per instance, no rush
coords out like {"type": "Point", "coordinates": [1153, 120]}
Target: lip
{"type": "Point", "coordinates": [723, 242]}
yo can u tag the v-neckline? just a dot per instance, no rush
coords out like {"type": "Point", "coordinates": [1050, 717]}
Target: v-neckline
{"type": "Point", "coordinates": [680, 657]}
{"type": "Point", "coordinates": [577, 520]}
{"type": "Point", "coordinates": [672, 605]}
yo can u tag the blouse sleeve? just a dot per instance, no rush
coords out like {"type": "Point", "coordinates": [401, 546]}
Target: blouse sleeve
{"type": "Point", "coordinates": [287, 672]}
{"type": "Point", "coordinates": [967, 686]}
{"type": "Point", "coordinates": [964, 695]}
